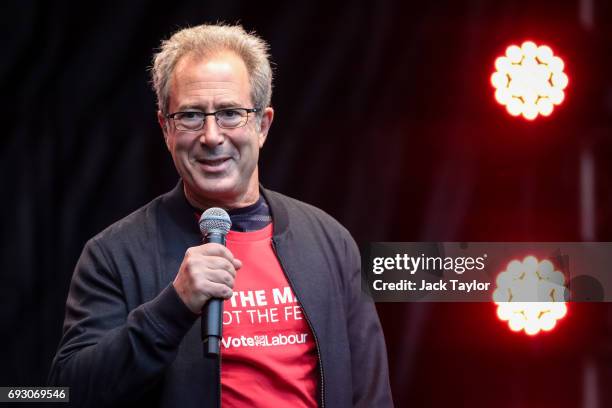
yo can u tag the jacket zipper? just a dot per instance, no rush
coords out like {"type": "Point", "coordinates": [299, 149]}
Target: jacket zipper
{"type": "Point", "coordinates": [314, 334]}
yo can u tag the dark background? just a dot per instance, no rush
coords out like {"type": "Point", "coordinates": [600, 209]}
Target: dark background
{"type": "Point", "coordinates": [385, 118]}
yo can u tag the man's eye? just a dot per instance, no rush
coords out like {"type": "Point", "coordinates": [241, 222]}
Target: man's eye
{"type": "Point", "coordinates": [229, 113]}
{"type": "Point", "coordinates": [190, 115]}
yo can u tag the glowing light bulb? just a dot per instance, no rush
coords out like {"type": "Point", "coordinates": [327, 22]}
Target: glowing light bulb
{"type": "Point", "coordinates": [529, 80]}
{"type": "Point", "coordinates": [530, 295]}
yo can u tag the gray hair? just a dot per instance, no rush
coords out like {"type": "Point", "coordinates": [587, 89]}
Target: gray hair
{"type": "Point", "coordinates": [207, 40]}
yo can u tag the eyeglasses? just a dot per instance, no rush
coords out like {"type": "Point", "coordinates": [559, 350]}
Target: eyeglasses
{"type": "Point", "coordinates": [226, 118]}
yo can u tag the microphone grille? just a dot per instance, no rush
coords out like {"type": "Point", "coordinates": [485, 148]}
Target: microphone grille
{"type": "Point", "coordinates": [215, 219]}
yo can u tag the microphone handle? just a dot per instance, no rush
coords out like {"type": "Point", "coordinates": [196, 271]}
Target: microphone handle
{"type": "Point", "coordinates": [212, 313]}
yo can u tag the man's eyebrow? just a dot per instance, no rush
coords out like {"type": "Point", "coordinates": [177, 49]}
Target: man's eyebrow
{"type": "Point", "coordinates": [218, 106]}
{"type": "Point", "coordinates": [226, 104]}
{"type": "Point", "coordinates": [191, 106]}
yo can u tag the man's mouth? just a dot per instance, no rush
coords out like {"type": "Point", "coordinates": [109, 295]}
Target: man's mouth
{"type": "Point", "coordinates": [214, 165]}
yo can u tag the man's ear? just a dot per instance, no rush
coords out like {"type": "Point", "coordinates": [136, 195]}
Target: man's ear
{"type": "Point", "coordinates": [163, 123]}
{"type": "Point", "coordinates": [266, 122]}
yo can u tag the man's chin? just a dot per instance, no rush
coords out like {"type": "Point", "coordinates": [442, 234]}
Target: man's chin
{"type": "Point", "coordinates": [215, 191]}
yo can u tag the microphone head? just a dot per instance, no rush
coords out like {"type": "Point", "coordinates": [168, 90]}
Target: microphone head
{"type": "Point", "coordinates": [215, 220]}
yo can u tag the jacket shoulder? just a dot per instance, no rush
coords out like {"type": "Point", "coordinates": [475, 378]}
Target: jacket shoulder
{"type": "Point", "coordinates": [304, 215]}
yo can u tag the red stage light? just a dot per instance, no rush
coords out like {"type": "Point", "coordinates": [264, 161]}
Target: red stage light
{"type": "Point", "coordinates": [519, 289]}
{"type": "Point", "coordinates": [529, 80]}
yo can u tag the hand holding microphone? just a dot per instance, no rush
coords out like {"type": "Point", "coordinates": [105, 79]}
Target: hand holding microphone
{"type": "Point", "coordinates": [206, 276]}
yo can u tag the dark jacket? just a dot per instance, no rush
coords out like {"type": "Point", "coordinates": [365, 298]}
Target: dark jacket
{"type": "Point", "coordinates": [129, 338]}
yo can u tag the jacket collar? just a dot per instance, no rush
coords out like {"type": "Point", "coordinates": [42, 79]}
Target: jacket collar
{"type": "Point", "coordinates": [280, 217]}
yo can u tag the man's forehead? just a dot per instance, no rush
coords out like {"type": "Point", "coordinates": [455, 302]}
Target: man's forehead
{"type": "Point", "coordinates": [221, 78]}
{"type": "Point", "coordinates": [196, 85]}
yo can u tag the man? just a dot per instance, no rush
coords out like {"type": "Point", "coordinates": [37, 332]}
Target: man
{"type": "Point", "coordinates": [297, 329]}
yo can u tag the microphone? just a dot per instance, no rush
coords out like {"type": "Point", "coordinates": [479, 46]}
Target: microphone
{"type": "Point", "coordinates": [214, 224]}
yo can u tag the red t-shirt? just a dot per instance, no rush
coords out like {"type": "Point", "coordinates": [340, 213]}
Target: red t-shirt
{"type": "Point", "coordinates": [268, 354]}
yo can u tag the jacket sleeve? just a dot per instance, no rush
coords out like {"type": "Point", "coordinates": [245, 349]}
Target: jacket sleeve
{"type": "Point", "coordinates": [370, 371]}
{"type": "Point", "coordinates": [108, 354]}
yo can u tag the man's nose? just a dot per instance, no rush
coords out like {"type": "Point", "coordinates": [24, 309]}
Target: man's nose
{"type": "Point", "coordinates": [211, 133]}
